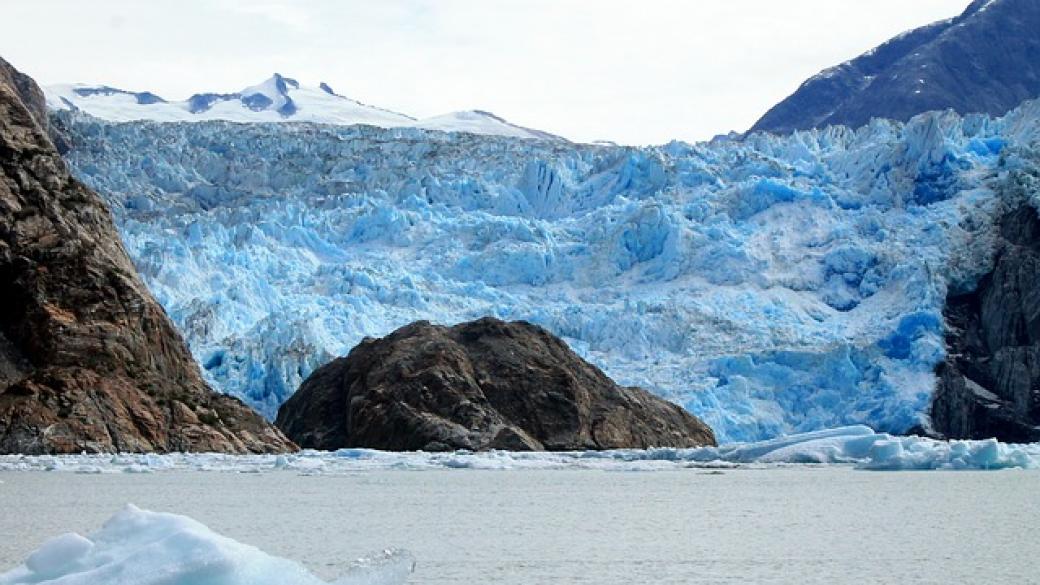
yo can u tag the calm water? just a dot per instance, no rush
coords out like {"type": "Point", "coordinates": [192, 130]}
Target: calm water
{"type": "Point", "coordinates": [790, 525]}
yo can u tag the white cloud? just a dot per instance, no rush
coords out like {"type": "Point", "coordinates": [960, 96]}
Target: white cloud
{"type": "Point", "coordinates": [286, 12]}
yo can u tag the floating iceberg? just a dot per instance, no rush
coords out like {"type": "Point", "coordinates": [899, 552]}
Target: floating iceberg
{"type": "Point", "coordinates": [772, 286]}
{"type": "Point", "coordinates": [138, 547]}
{"type": "Point", "coordinates": [855, 445]}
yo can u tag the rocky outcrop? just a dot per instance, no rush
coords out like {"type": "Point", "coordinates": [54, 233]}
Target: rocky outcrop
{"type": "Point", "coordinates": [88, 359]}
{"type": "Point", "coordinates": [486, 384]}
{"type": "Point", "coordinates": [989, 385]}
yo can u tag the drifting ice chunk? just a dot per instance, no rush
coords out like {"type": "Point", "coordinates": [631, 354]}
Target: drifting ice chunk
{"type": "Point", "coordinates": [138, 547]}
{"type": "Point", "coordinates": [840, 445]}
{"type": "Point", "coordinates": [881, 451]}
{"type": "Point", "coordinates": [851, 445]}
{"type": "Point", "coordinates": [59, 555]}
{"type": "Point", "coordinates": [878, 451]}
{"type": "Point", "coordinates": [901, 453]}
{"type": "Point", "coordinates": [386, 568]}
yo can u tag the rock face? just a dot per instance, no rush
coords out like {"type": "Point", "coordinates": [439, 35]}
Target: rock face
{"type": "Point", "coordinates": [486, 384]}
{"type": "Point", "coordinates": [985, 60]}
{"type": "Point", "coordinates": [88, 359]}
{"type": "Point", "coordinates": [989, 385]}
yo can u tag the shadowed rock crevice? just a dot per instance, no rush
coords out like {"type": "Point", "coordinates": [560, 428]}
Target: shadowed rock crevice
{"type": "Point", "coordinates": [486, 384]}
{"type": "Point", "coordinates": [88, 360]}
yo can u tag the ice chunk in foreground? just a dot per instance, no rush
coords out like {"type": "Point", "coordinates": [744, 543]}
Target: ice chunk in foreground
{"type": "Point", "coordinates": [138, 547]}
{"type": "Point", "coordinates": [59, 555]}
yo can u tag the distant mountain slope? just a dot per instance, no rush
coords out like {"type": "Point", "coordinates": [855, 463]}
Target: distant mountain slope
{"type": "Point", "coordinates": [278, 99]}
{"type": "Point", "coordinates": [986, 60]}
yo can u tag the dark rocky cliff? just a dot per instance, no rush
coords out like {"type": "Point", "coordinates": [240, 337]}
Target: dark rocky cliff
{"type": "Point", "coordinates": [989, 385]}
{"type": "Point", "coordinates": [985, 60]}
{"type": "Point", "coordinates": [88, 359]}
{"type": "Point", "coordinates": [485, 384]}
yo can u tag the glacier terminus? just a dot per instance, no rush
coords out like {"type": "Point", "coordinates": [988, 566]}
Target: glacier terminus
{"type": "Point", "coordinates": [771, 285]}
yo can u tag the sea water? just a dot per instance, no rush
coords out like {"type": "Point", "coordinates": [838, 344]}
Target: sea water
{"type": "Point", "coordinates": [797, 524]}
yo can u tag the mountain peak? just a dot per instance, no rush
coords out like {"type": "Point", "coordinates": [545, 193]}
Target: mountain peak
{"type": "Point", "coordinates": [286, 80]}
{"type": "Point", "coordinates": [271, 94]}
{"type": "Point", "coordinates": [978, 6]}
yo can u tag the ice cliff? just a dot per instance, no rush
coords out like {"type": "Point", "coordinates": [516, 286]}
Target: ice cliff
{"type": "Point", "coordinates": [772, 285]}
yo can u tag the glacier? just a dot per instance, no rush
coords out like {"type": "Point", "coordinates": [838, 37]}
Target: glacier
{"type": "Point", "coordinates": [771, 285]}
{"type": "Point", "coordinates": [140, 547]}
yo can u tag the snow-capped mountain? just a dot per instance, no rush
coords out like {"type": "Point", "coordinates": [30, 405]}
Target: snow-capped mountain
{"type": "Point", "coordinates": [985, 60]}
{"type": "Point", "coordinates": [770, 285]}
{"type": "Point", "coordinates": [278, 99]}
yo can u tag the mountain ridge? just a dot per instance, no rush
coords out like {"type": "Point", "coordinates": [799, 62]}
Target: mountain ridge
{"type": "Point", "coordinates": [982, 61]}
{"type": "Point", "coordinates": [276, 99]}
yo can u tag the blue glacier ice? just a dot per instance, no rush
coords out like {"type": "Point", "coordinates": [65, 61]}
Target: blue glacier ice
{"type": "Point", "coordinates": [773, 285]}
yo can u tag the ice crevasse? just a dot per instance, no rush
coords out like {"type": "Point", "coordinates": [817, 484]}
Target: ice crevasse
{"type": "Point", "coordinates": [773, 285]}
{"type": "Point", "coordinates": [139, 547]}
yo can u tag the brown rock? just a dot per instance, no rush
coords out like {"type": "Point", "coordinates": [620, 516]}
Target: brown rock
{"type": "Point", "coordinates": [485, 384]}
{"type": "Point", "coordinates": [88, 359]}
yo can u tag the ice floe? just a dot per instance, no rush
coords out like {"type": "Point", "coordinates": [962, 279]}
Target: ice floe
{"type": "Point", "coordinates": [138, 547]}
{"type": "Point", "coordinates": [852, 445]}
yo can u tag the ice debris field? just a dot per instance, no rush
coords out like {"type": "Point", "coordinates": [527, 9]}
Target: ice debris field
{"type": "Point", "coordinates": [772, 286]}
{"type": "Point", "coordinates": [138, 547]}
{"type": "Point", "coordinates": [854, 445]}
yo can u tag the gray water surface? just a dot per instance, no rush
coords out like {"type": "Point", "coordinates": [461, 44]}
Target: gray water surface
{"type": "Point", "coordinates": [786, 525]}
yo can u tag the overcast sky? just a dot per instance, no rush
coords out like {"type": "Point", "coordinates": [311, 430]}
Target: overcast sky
{"type": "Point", "coordinates": [631, 71]}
